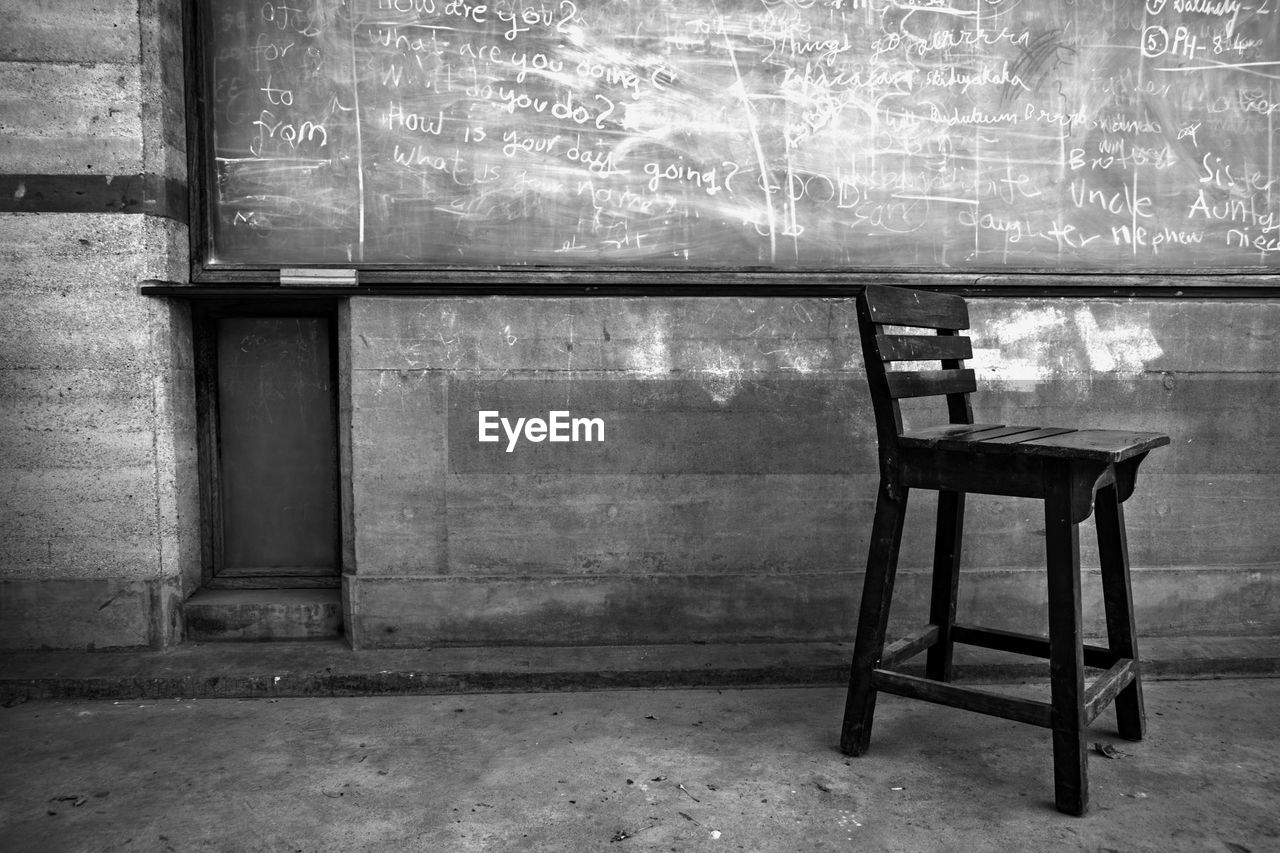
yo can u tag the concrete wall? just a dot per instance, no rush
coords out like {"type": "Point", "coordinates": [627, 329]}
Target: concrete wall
{"type": "Point", "coordinates": [730, 501]}
{"type": "Point", "coordinates": [722, 504]}
{"type": "Point", "coordinates": [732, 498]}
{"type": "Point", "coordinates": [98, 509]}
{"type": "Point", "coordinates": [1205, 553]}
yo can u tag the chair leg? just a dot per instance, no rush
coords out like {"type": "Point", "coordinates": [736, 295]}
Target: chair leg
{"type": "Point", "coordinates": [946, 581]}
{"type": "Point", "coordinates": [873, 618]}
{"type": "Point", "coordinates": [1066, 650]}
{"type": "Point", "coordinates": [1117, 597]}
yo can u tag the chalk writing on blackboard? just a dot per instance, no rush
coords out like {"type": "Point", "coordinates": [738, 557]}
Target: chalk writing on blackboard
{"type": "Point", "coordinates": [791, 134]}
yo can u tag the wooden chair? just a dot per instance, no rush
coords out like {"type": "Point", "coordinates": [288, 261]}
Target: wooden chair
{"type": "Point", "coordinates": [1072, 471]}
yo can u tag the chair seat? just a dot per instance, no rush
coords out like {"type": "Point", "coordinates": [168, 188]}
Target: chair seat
{"type": "Point", "coordinates": [1102, 445]}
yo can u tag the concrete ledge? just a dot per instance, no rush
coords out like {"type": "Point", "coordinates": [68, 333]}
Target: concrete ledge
{"type": "Point", "coordinates": [329, 668]}
{"type": "Point", "coordinates": [263, 614]}
{"type": "Point", "coordinates": [87, 613]}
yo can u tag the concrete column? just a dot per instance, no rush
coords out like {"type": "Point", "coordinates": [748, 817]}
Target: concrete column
{"type": "Point", "coordinates": [99, 510]}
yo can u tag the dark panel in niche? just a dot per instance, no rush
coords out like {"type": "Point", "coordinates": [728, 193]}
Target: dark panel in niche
{"type": "Point", "coordinates": [796, 134]}
{"type": "Point", "coordinates": [277, 444]}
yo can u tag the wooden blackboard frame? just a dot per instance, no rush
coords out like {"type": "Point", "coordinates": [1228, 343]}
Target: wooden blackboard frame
{"type": "Point", "coordinates": [220, 280]}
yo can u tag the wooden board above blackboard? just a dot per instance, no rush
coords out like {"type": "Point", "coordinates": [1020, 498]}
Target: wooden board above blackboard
{"type": "Point", "coordinates": [798, 135]}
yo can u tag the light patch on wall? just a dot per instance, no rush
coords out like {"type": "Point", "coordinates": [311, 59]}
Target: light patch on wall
{"type": "Point", "coordinates": [800, 363]}
{"type": "Point", "coordinates": [805, 357]}
{"type": "Point", "coordinates": [651, 354]}
{"type": "Point", "coordinates": [800, 356]}
{"type": "Point", "coordinates": [433, 341]}
{"type": "Point", "coordinates": [1036, 345]}
{"type": "Point", "coordinates": [1024, 345]}
{"type": "Point", "coordinates": [721, 372]}
{"type": "Point", "coordinates": [1120, 348]}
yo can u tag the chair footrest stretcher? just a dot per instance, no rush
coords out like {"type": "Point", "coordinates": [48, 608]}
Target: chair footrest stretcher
{"type": "Point", "coordinates": [1098, 695]}
{"type": "Point", "coordinates": [968, 698]}
{"type": "Point", "coordinates": [1098, 657]}
{"type": "Point", "coordinates": [1030, 645]}
{"type": "Point", "coordinates": [1120, 673]}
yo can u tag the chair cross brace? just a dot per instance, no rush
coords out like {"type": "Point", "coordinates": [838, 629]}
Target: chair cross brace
{"type": "Point", "coordinates": [1120, 673]}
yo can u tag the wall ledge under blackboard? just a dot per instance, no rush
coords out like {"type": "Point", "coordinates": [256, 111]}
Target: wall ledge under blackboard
{"type": "Point", "coordinates": [256, 285]}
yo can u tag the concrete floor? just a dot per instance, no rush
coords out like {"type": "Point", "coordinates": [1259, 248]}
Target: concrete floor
{"type": "Point", "coordinates": [684, 770]}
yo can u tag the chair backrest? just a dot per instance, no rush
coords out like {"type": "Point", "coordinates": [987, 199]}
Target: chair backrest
{"type": "Point", "coordinates": [946, 315]}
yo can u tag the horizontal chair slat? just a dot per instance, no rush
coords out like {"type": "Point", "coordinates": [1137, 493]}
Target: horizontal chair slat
{"type": "Point", "coordinates": [1024, 644]}
{"type": "Point", "coordinates": [927, 383]}
{"type": "Point", "coordinates": [968, 698]}
{"type": "Point", "coordinates": [923, 347]}
{"type": "Point", "coordinates": [896, 306]}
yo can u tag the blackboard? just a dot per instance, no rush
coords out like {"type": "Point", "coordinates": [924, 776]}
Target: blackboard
{"type": "Point", "coordinates": [846, 135]}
